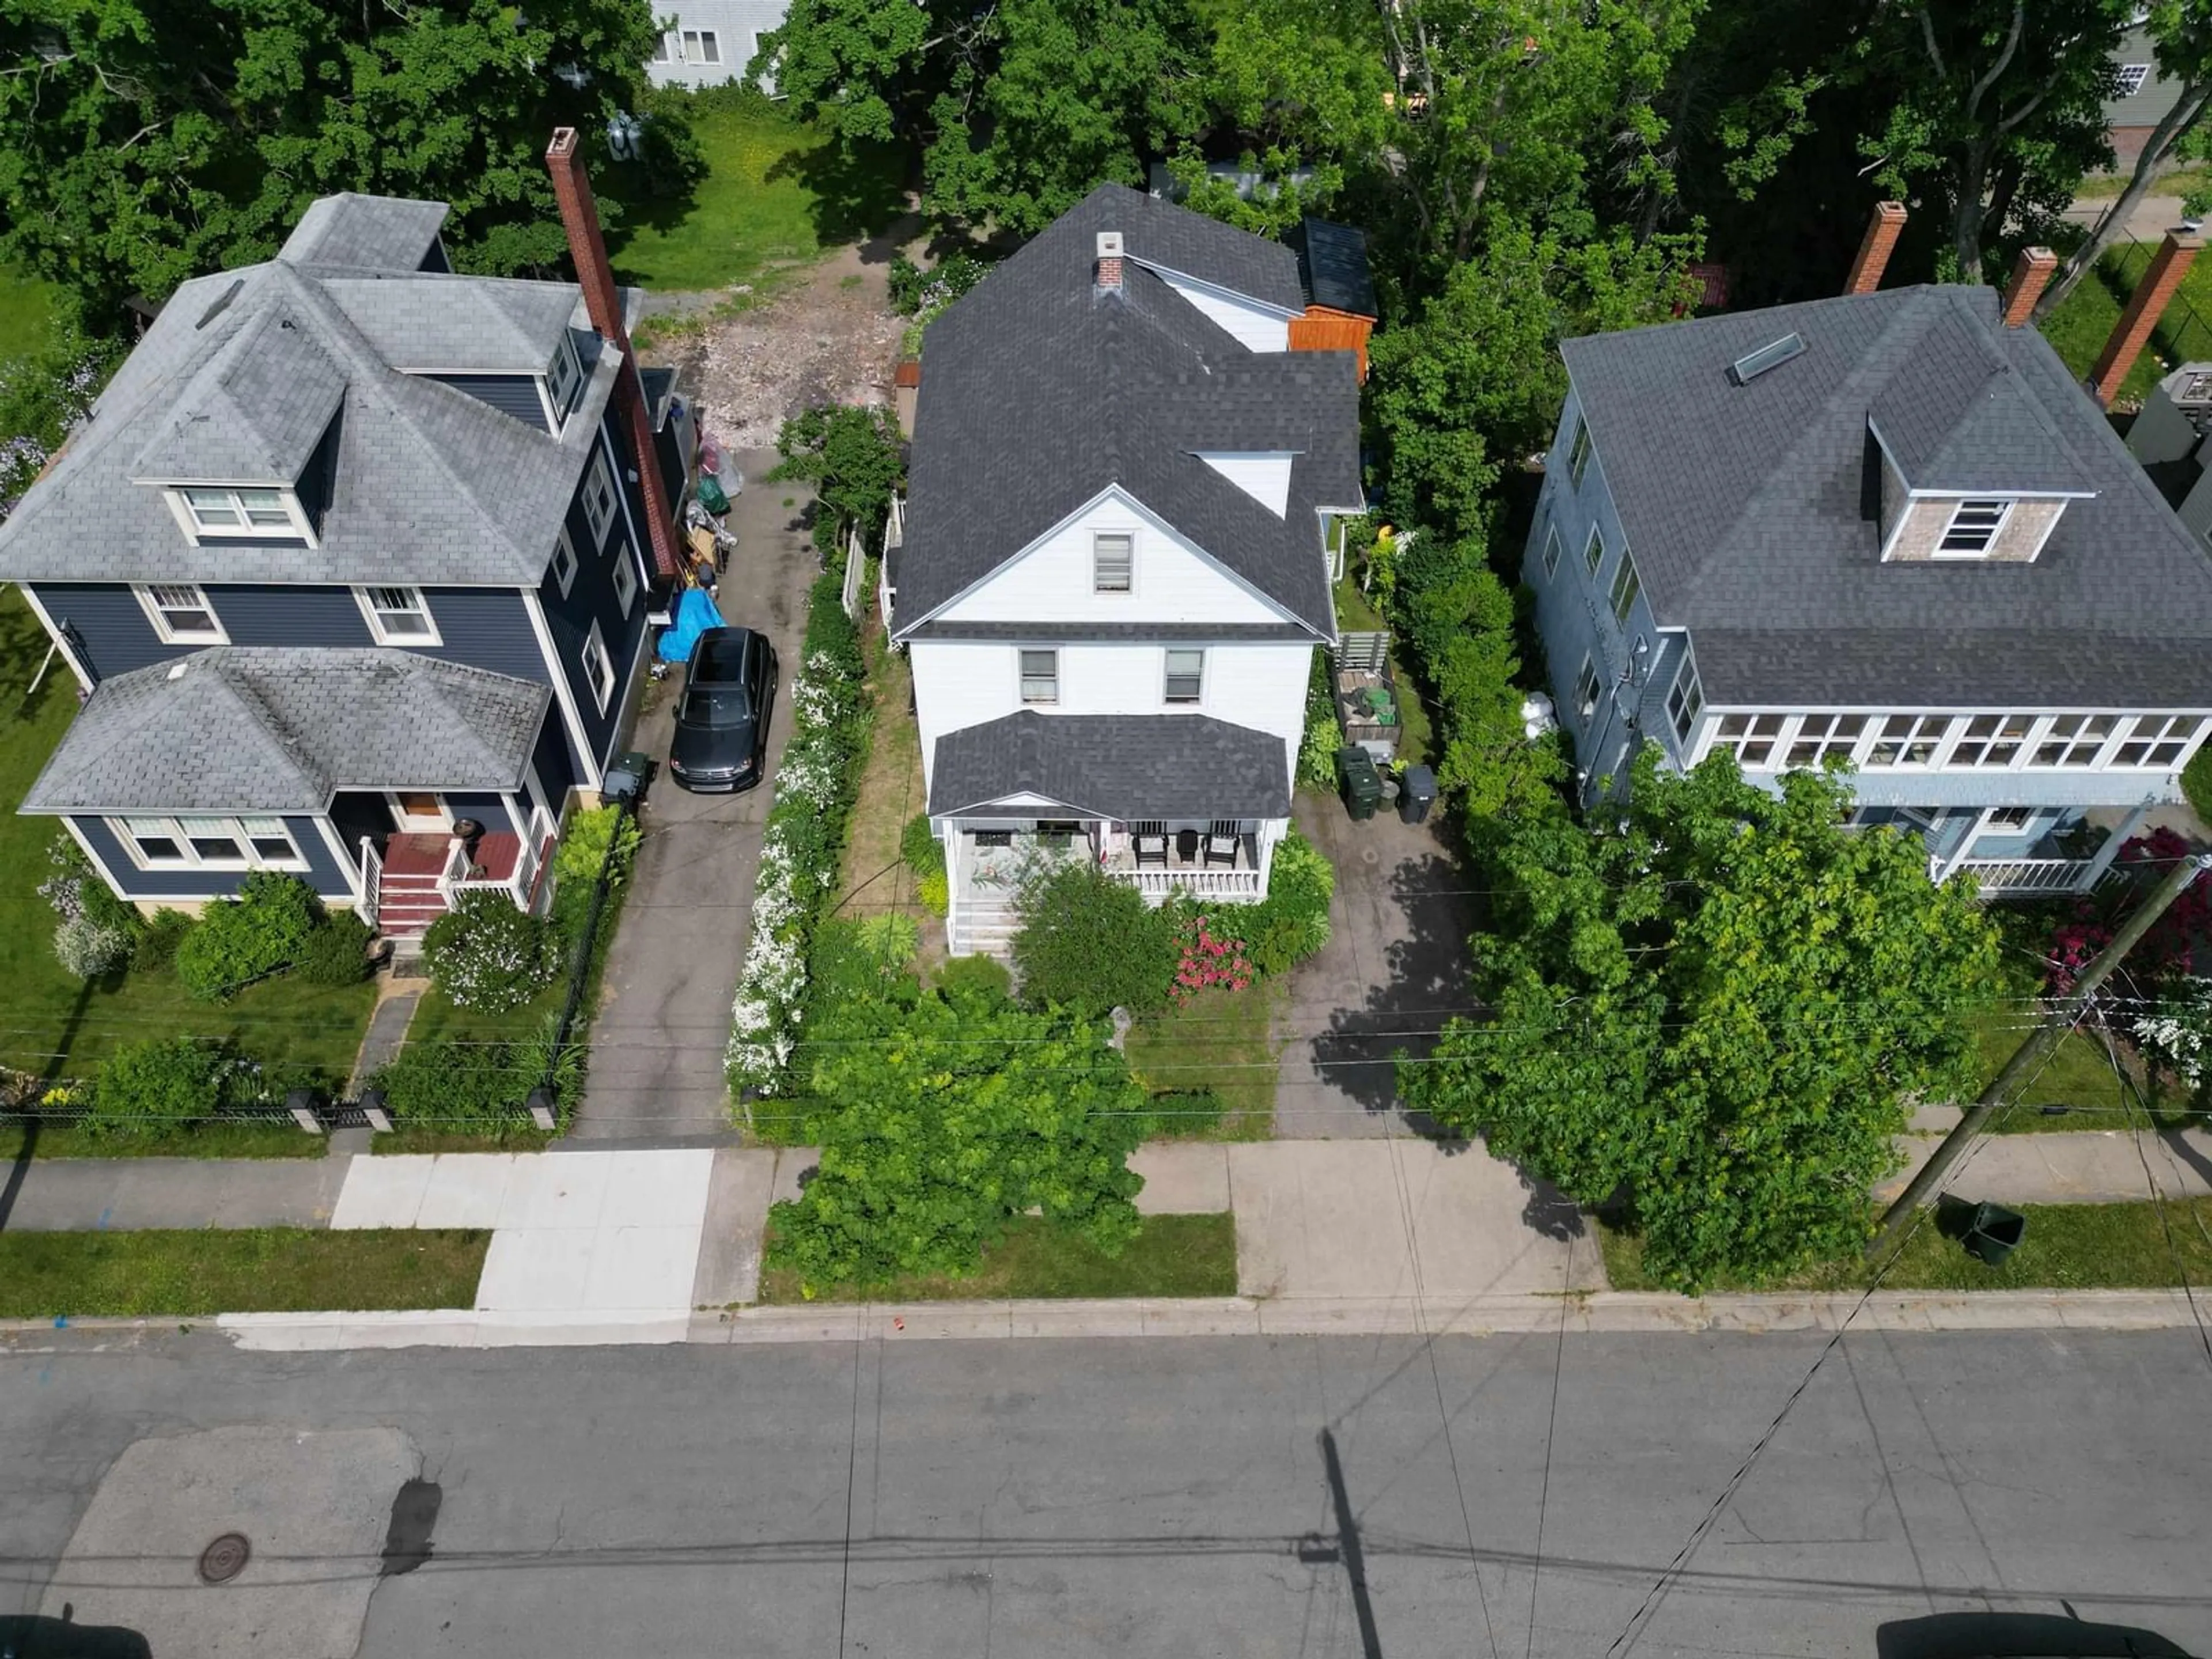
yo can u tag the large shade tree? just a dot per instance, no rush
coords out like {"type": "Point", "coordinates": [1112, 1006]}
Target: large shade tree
{"type": "Point", "coordinates": [1721, 1009]}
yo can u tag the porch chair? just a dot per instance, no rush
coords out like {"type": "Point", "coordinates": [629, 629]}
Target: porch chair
{"type": "Point", "coordinates": [1221, 841]}
{"type": "Point", "coordinates": [1148, 839]}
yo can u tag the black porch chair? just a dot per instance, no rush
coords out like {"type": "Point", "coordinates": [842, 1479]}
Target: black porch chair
{"type": "Point", "coordinates": [1148, 839]}
{"type": "Point", "coordinates": [1222, 840]}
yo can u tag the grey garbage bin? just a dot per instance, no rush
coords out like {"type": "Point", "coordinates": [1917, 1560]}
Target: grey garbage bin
{"type": "Point", "coordinates": [1417, 793]}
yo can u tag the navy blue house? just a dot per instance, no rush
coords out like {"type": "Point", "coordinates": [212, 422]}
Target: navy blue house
{"type": "Point", "coordinates": [352, 551]}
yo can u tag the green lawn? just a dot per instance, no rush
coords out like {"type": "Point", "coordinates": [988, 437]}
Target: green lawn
{"type": "Point", "coordinates": [60, 1026]}
{"type": "Point", "coordinates": [2104, 187]}
{"type": "Point", "coordinates": [775, 194]}
{"type": "Point", "coordinates": [27, 314]}
{"type": "Point", "coordinates": [2079, 328]}
{"type": "Point", "coordinates": [2079, 1075]}
{"type": "Point", "coordinates": [1174, 1256]}
{"type": "Point", "coordinates": [260, 1270]}
{"type": "Point", "coordinates": [208, 1140]}
{"type": "Point", "coordinates": [1218, 1041]}
{"type": "Point", "coordinates": [2075, 1246]}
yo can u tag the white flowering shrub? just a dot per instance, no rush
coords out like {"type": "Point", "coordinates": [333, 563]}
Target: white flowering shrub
{"type": "Point", "coordinates": [2177, 1032]}
{"type": "Point", "coordinates": [800, 852]}
{"type": "Point", "coordinates": [486, 954]}
{"type": "Point", "coordinates": [89, 949]}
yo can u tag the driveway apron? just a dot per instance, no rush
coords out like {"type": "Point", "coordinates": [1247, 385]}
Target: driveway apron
{"type": "Point", "coordinates": [657, 1041]}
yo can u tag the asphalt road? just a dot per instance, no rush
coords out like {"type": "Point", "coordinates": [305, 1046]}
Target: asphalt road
{"type": "Point", "coordinates": [1294, 1497]}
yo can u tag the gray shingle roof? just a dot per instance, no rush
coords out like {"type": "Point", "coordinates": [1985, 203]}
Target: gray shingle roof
{"type": "Point", "coordinates": [1744, 509]}
{"type": "Point", "coordinates": [366, 233]}
{"type": "Point", "coordinates": [1038, 394]}
{"type": "Point", "coordinates": [1115, 766]}
{"type": "Point", "coordinates": [430, 485]}
{"type": "Point", "coordinates": [275, 729]}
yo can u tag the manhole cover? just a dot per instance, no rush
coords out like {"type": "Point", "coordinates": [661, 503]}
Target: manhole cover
{"type": "Point", "coordinates": [225, 1558]}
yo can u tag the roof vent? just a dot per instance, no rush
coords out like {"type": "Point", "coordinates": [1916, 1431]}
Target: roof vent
{"type": "Point", "coordinates": [221, 304]}
{"type": "Point", "coordinates": [1745, 369]}
{"type": "Point", "coordinates": [178, 670]}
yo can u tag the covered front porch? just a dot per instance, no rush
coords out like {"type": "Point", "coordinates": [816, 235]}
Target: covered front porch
{"type": "Point", "coordinates": [2021, 851]}
{"type": "Point", "coordinates": [1223, 859]}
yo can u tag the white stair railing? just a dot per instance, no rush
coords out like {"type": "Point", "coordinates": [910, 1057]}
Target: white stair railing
{"type": "Point", "coordinates": [372, 882]}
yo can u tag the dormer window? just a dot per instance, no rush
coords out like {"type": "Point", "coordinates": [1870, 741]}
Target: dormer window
{"type": "Point", "coordinates": [563, 380]}
{"type": "Point", "coordinates": [218, 513]}
{"type": "Point", "coordinates": [1973, 528]}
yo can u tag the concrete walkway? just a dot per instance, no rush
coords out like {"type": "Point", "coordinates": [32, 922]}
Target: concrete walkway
{"type": "Point", "coordinates": [98, 1194]}
{"type": "Point", "coordinates": [657, 1035]}
{"type": "Point", "coordinates": [2083, 1167]}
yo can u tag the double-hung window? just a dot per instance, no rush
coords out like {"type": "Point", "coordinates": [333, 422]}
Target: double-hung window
{"type": "Point", "coordinates": [235, 513]}
{"type": "Point", "coordinates": [625, 576]}
{"type": "Point", "coordinates": [1593, 554]}
{"type": "Point", "coordinates": [563, 380]}
{"type": "Point", "coordinates": [1686, 700]}
{"type": "Point", "coordinates": [1820, 736]}
{"type": "Point", "coordinates": [2011, 818]}
{"type": "Point", "coordinates": [180, 614]}
{"type": "Point", "coordinates": [1626, 584]}
{"type": "Point", "coordinates": [1973, 528]}
{"type": "Point", "coordinates": [701, 46]}
{"type": "Point", "coordinates": [598, 668]}
{"type": "Point", "coordinates": [397, 615]}
{"type": "Point", "coordinates": [1186, 675]}
{"type": "Point", "coordinates": [1112, 562]}
{"type": "Point", "coordinates": [2157, 741]}
{"type": "Point", "coordinates": [1039, 673]}
{"type": "Point", "coordinates": [1586, 694]}
{"type": "Point", "coordinates": [599, 501]}
{"type": "Point", "coordinates": [2075, 740]}
{"type": "Point", "coordinates": [564, 562]}
{"type": "Point", "coordinates": [1753, 737]}
{"type": "Point", "coordinates": [661, 52]}
{"type": "Point", "coordinates": [210, 843]}
{"type": "Point", "coordinates": [1550, 552]}
{"type": "Point", "coordinates": [1578, 453]}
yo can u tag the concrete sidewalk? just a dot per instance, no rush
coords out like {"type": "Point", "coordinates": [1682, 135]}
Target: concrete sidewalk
{"type": "Point", "coordinates": [97, 1194]}
{"type": "Point", "coordinates": [2081, 1167]}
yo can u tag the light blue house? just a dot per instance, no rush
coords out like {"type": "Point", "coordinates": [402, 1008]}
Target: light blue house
{"type": "Point", "coordinates": [1888, 527]}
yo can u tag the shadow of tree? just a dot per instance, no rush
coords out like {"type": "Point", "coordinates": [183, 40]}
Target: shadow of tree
{"type": "Point", "coordinates": [859, 195]}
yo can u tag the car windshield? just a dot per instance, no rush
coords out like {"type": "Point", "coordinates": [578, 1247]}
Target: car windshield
{"type": "Point", "coordinates": [716, 705]}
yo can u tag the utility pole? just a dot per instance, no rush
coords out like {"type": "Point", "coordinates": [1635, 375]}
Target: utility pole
{"type": "Point", "coordinates": [2028, 1058]}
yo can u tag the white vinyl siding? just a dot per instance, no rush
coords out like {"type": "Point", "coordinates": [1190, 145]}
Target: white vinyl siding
{"type": "Point", "coordinates": [208, 843]}
{"type": "Point", "coordinates": [1259, 327]}
{"type": "Point", "coordinates": [180, 613]}
{"type": "Point", "coordinates": [1266, 478]}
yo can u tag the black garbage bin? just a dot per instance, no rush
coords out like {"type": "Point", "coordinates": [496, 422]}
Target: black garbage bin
{"type": "Point", "coordinates": [1357, 778]}
{"type": "Point", "coordinates": [1417, 793]}
{"type": "Point", "coordinates": [1993, 1233]}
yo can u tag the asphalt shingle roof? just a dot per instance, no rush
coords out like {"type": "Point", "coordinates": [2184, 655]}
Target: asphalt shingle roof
{"type": "Point", "coordinates": [1115, 766]}
{"type": "Point", "coordinates": [243, 374]}
{"type": "Point", "coordinates": [367, 233]}
{"type": "Point", "coordinates": [1332, 267]}
{"type": "Point", "coordinates": [275, 729]}
{"type": "Point", "coordinates": [1745, 510]}
{"type": "Point", "coordinates": [1039, 392]}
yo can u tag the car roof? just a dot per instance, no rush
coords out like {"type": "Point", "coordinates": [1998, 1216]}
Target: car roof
{"type": "Point", "coordinates": [723, 651]}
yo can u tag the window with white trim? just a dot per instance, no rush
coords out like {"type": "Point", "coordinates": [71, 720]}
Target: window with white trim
{"type": "Point", "coordinates": [1186, 675]}
{"type": "Point", "coordinates": [1593, 554]}
{"type": "Point", "coordinates": [1686, 700]}
{"type": "Point", "coordinates": [1991, 740]}
{"type": "Point", "coordinates": [180, 613]}
{"type": "Point", "coordinates": [564, 377]}
{"type": "Point", "coordinates": [625, 576]}
{"type": "Point", "coordinates": [1113, 562]}
{"type": "Point", "coordinates": [1039, 673]}
{"type": "Point", "coordinates": [397, 615]}
{"type": "Point", "coordinates": [209, 843]}
{"type": "Point", "coordinates": [564, 562]}
{"type": "Point", "coordinates": [223, 512]}
{"type": "Point", "coordinates": [1751, 738]}
{"type": "Point", "coordinates": [1587, 687]}
{"type": "Point", "coordinates": [1552, 551]}
{"type": "Point", "coordinates": [1973, 528]}
{"type": "Point", "coordinates": [2075, 740]}
{"type": "Point", "coordinates": [2132, 77]}
{"type": "Point", "coordinates": [598, 668]}
{"type": "Point", "coordinates": [1820, 736]}
{"type": "Point", "coordinates": [1908, 739]}
{"type": "Point", "coordinates": [2157, 741]}
{"type": "Point", "coordinates": [2011, 818]}
{"type": "Point", "coordinates": [701, 46]}
{"type": "Point", "coordinates": [661, 54]}
{"type": "Point", "coordinates": [1578, 453]}
{"type": "Point", "coordinates": [599, 501]}
{"type": "Point", "coordinates": [1626, 584]}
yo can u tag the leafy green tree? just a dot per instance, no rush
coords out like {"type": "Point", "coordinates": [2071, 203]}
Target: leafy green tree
{"type": "Point", "coordinates": [1091, 943]}
{"type": "Point", "coordinates": [1995, 107]}
{"type": "Point", "coordinates": [1722, 1008]}
{"type": "Point", "coordinates": [142, 142]}
{"type": "Point", "coordinates": [1020, 108]}
{"type": "Point", "coordinates": [852, 457]}
{"type": "Point", "coordinates": [946, 1119]}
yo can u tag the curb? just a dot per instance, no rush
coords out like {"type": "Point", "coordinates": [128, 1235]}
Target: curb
{"type": "Point", "coordinates": [1596, 1314]}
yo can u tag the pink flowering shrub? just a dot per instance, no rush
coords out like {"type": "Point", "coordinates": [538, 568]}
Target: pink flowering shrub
{"type": "Point", "coordinates": [2166, 951]}
{"type": "Point", "coordinates": [1206, 958]}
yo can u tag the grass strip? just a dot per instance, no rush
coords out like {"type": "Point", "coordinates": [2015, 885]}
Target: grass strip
{"type": "Point", "coordinates": [205, 1140]}
{"type": "Point", "coordinates": [2067, 1247]}
{"type": "Point", "coordinates": [1174, 1256]}
{"type": "Point", "coordinates": [248, 1270]}
{"type": "Point", "coordinates": [1219, 1040]}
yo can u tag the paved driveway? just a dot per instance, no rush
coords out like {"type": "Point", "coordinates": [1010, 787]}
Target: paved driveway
{"type": "Point", "coordinates": [665, 1010]}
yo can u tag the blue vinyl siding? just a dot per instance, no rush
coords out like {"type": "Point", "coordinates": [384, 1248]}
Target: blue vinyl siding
{"type": "Point", "coordinates": [591, 598]}
{"type": "Point", "coordinates": [486, 628]}
{"type": "Point", "coordinates": [556, 769]}
{"type": "Point", "coordinates": [489, 810]}
{"type": "Point", "coordinates": [112, 633]}
{"type": "Point", "coordinates": [324, 872]}
{"type": "Point", "coordinates": [514, 395]}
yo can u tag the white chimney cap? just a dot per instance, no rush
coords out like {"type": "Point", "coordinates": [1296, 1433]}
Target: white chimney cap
{"type": "Point", "coordinates": [1110, 244]}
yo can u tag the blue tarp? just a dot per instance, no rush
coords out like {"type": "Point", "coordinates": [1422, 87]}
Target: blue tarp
{"type": "Point", "coordinates": [695, 614]}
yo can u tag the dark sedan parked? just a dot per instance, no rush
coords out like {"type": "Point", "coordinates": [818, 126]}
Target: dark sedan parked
{"type": "Point", "coordinates": [721, 724]}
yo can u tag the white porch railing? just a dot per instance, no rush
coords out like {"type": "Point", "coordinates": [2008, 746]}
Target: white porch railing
{"type": "Point", "coordinates": [1232, 885]}
{"type": "Point", "coordinates": [372, 881]}
{"type": "Point", "coordinates": [456, 879]}
{"type": "Point", "coordinates": [2019, 877]}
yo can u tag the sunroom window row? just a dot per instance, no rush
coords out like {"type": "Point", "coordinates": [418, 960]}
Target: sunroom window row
{"type": "Point", "coordinates": [1777, 742]}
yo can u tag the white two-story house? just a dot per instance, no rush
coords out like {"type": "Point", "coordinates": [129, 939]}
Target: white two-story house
{"type": "Point", "coordinates": [1888, 528]}
{"type": "Point", "coordinates": [1114, 570]}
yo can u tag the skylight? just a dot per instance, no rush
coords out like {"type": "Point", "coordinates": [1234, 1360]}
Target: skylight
{"type": "Point", "coordinates": [1745, 369]}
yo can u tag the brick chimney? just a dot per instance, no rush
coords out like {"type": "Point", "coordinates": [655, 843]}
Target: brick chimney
{"type": "Point", "coordinates": [2030, 272]}
{"type": "Point", "coordinates": [2144, 308]}
{"type": "Point", "coordinates": [587, 248]}
{"type": "Point", "coordinates": [1882, 234]}
{"type": "Point", "coordinates": [1109, 262]}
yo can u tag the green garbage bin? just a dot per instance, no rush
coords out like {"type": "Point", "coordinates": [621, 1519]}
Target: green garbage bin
{"type": "Point", "coordinates": [1357, 777]}
{"type": "Point", "coordinates": [1993, 1233]}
